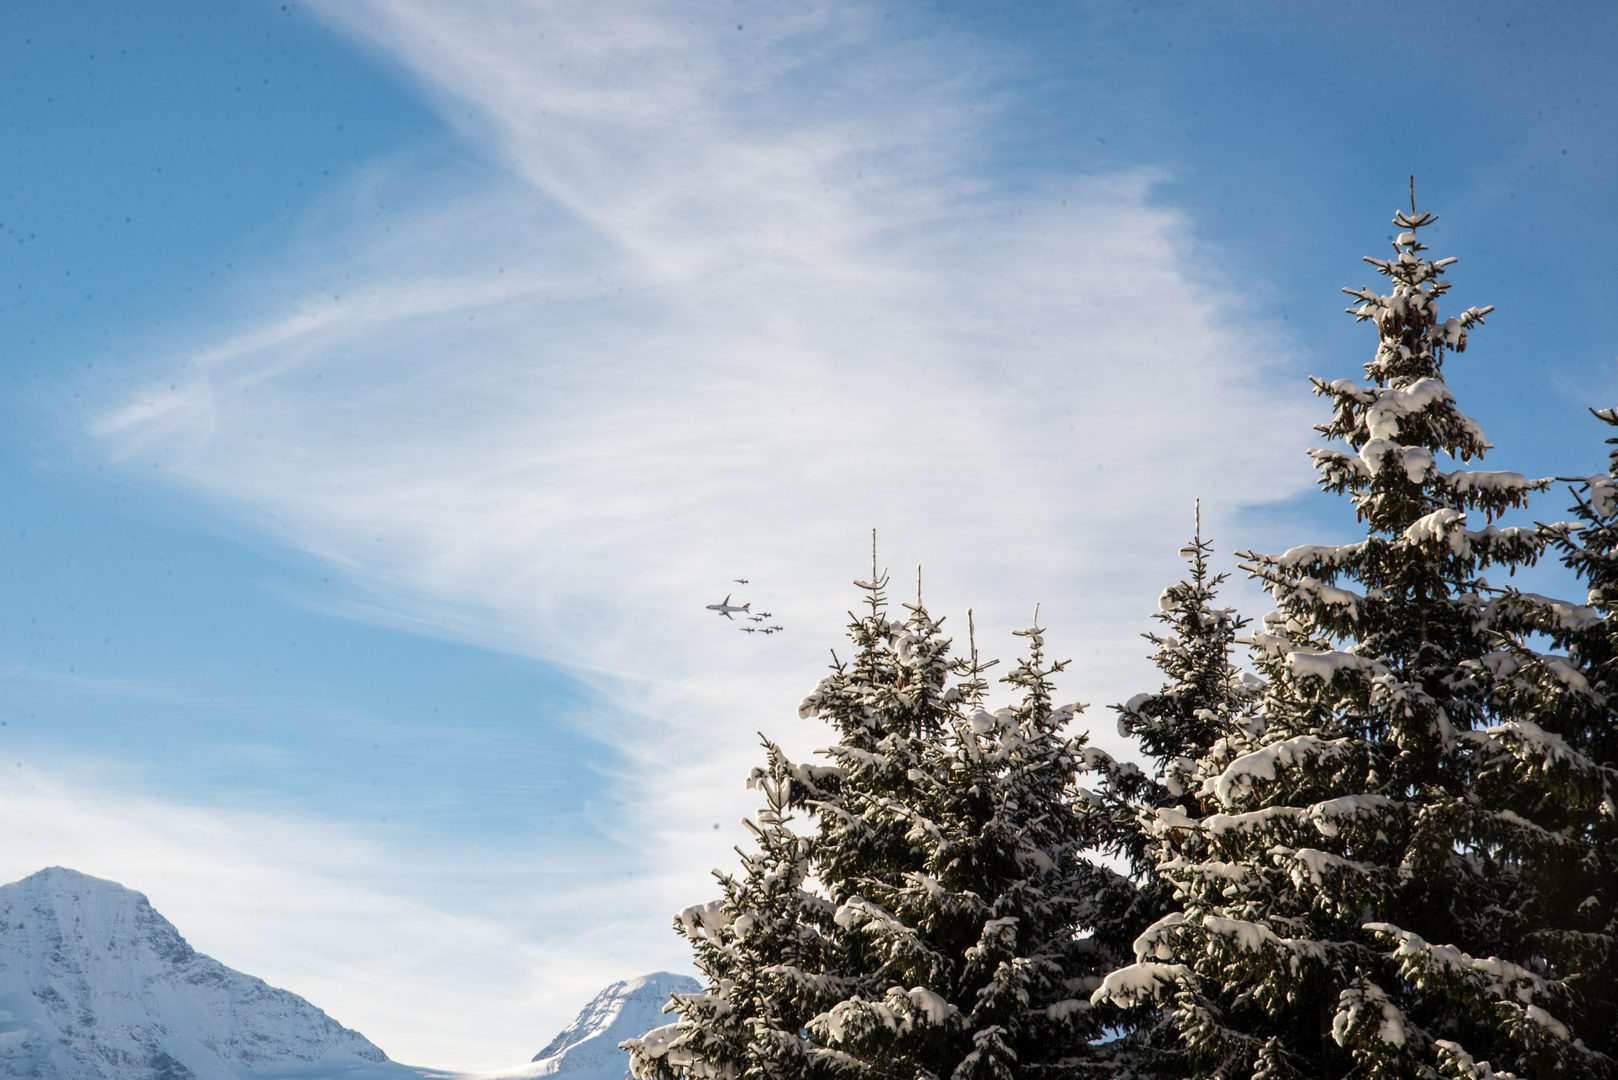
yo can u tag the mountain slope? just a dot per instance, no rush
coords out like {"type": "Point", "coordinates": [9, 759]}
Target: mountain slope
{"type": "Point", "coordinates": [96, 985]}
{"type": "Point", "coordinates": [587, 1049]}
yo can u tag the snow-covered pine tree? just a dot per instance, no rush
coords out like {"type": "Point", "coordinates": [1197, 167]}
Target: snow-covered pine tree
{"type": "Point", "coordinates": [985, 902]}
{"type": "Point", "coordinates": [1349, 909]}
{"type": "Point", "coordinates": [1201, 719]}
{"type": "Point", "coordinates": [752, 946]}
{"type": "Point", "coordinates": [1556, 684]}
{"type": "Point", "coordinates": [959, 925]}
{"type": "Point", "coordinates": [1587, 634]}
{"type": "Point", "coordinates": [1025, 917]}
{"type": "Point", "coordinates": [1205, 698]}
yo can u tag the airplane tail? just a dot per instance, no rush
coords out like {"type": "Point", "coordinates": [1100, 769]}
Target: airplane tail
{"type": "Point", "coordinates": [747, 605]}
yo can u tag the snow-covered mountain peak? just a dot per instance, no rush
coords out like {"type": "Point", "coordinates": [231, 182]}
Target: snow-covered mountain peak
{"type": "Point", "coordinates": [587, 1049]}
{"type": "Point", "coordinates": [96, 985]}
{"type": "Point", "coordinates": [91, 912]}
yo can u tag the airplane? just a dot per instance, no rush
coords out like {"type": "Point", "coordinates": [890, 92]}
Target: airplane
{"type": "Point", "coordinates": [757, 618]}
{"type": "Point", "coordinates": [766, 630]}
{"type": "Point", "coordinates": [740, 580]}
{"type": "Point", "coordinates": [725, 607]}
{"type": "Point", "coordinates": [751, 630]}
{"type": "Point", "coordinates": [764, 614]}
{"type": "Point", "coordinates": [774, 628]}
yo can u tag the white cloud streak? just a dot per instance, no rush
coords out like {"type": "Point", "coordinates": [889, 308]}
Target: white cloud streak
{"type": "Point", "coordinates": [739, 297]}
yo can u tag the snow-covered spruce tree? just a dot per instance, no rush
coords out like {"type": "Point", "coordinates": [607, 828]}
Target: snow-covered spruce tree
{"type": "Point", "coordinates": [751, 945]}
{"type": "Point", "coordinates": [1205, 700]}
{"type": "Point", "coordinates": [1557, 753]}
{"type": "Point", "coordinates": [1581, 699]}
{"type": "Point", "coordinates": [1350, 908]}
{"type": "Point", "coordinates": [1202, 717]}
{"type": "Point", "coordinates": [959, 924]}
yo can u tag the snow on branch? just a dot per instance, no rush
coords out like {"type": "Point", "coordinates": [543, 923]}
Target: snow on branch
{"type": "Point", "coordinates": [1456, 1062]}
{"type": "Point", "coordinates": [1424, 964]}
{"type": "Point", "coordinates": [1254, 821]}
{"type": "Point", "coordinates": [1363, 1011]}
{"type": "Point", "coordinates": [1330, 815]}
{"type": "Point", "coordinates": [1299, 751]}
{"type": "Point", "coordinates": [1140, 983]}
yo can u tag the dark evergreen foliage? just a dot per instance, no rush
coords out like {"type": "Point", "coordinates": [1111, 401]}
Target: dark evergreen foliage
{"type": "Point", "coordinates": [961, 919]}
{"type": "Point", "coordinates": [1203, 714]}
{"type": "Point", "coordinates": [1372, 876]}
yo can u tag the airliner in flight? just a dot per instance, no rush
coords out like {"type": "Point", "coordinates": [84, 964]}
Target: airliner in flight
{"type": "Point", "coordinates": [725, 607]}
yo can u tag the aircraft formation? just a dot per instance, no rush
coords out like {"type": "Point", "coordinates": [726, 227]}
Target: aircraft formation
{"type": "Point", "coordinates": [730, 611]}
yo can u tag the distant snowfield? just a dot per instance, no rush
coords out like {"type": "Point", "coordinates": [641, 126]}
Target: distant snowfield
{"type": "Point", "coordinates": [96, 985]}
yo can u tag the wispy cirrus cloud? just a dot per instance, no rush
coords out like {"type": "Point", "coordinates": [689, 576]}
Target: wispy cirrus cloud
{"type": "Point", "coordinates": [744, 285]}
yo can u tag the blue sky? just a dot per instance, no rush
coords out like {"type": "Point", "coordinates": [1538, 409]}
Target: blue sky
{"type": "Point", "coordinates": [389, 384]}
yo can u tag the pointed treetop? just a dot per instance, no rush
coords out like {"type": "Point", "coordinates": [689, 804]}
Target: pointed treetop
{"type": "Point", "coordinates": [879, 581]}
{"type": "Point", "coordinates": [974, 685]}
{"type": "Point", "coordinates": [1413, 220]}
